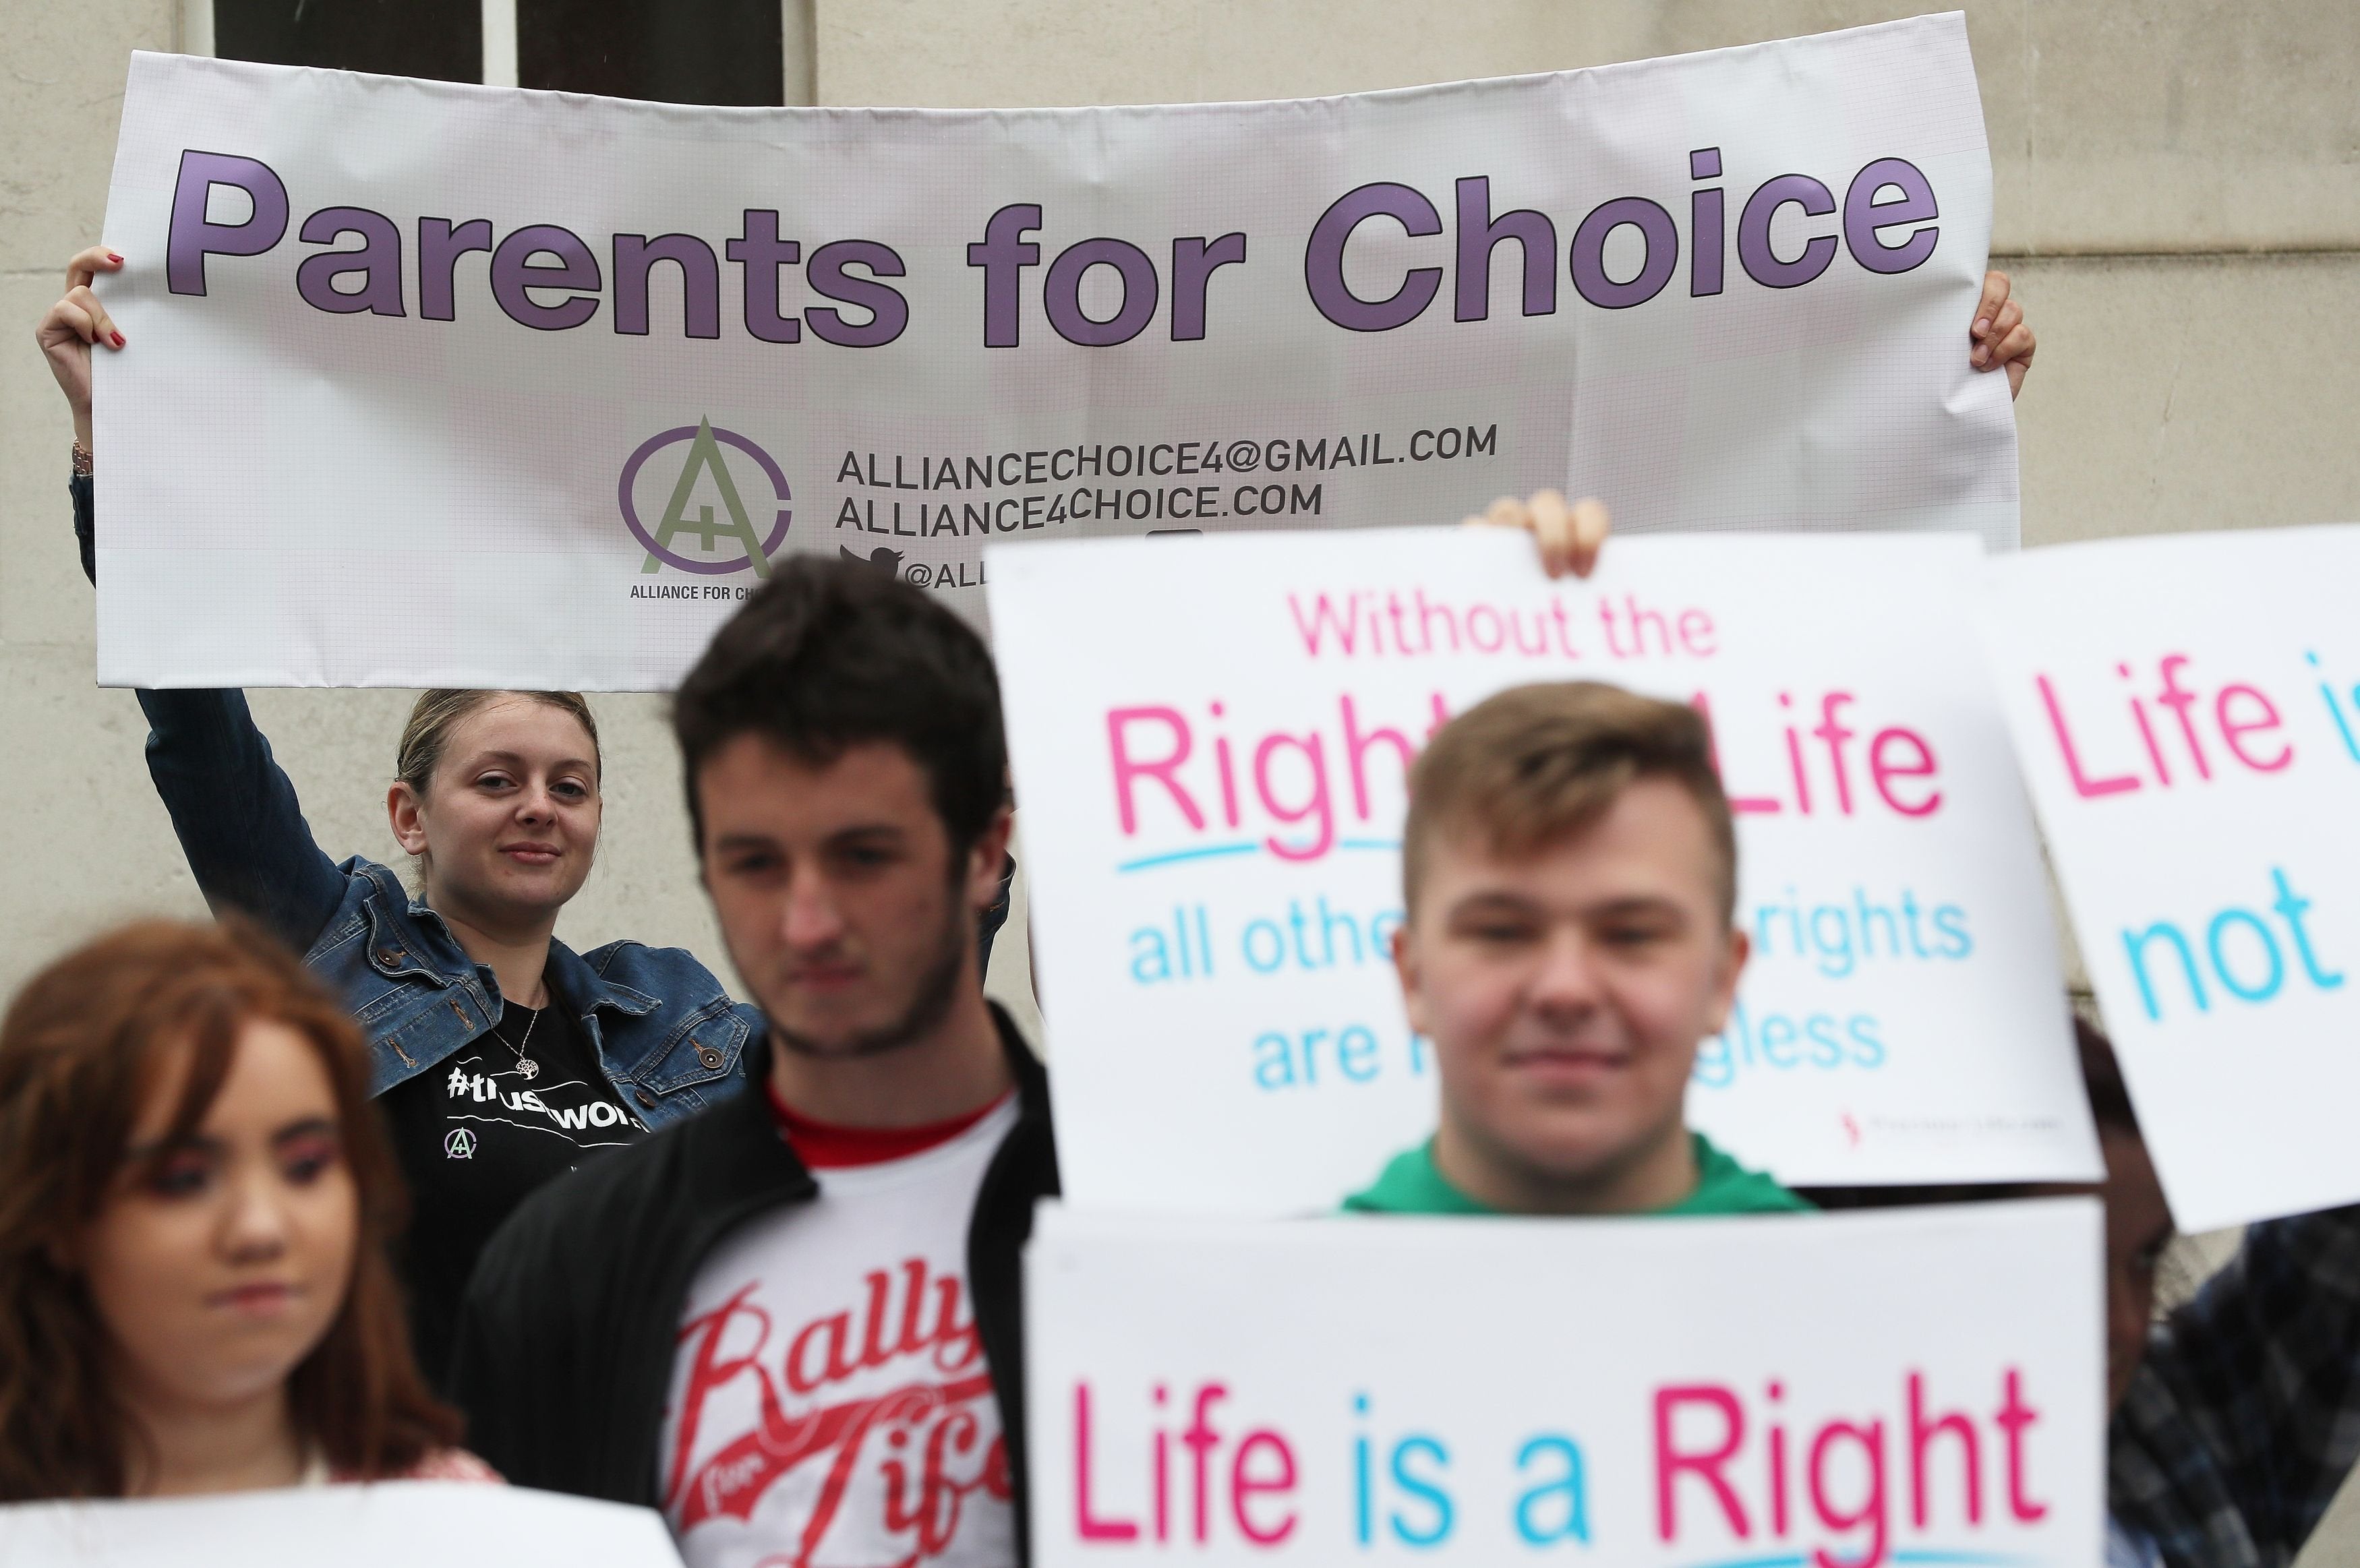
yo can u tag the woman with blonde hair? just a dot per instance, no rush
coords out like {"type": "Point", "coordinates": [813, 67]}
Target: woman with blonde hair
{"type": "Point", "coordinates": [195, 1208]}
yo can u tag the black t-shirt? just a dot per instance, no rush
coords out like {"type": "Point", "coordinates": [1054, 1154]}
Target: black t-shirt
{"type": "Point", "coordinates": [475, 1134]}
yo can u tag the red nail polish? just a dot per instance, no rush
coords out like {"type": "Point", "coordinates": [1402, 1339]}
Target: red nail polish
{"type": "Point", "coordinates": [118, 338]}
{"type": "Point", "coordinates": [114, 258]}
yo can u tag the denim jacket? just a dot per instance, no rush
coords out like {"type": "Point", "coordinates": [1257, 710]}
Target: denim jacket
{"type": "Point", "coordinates": [667, 1034]}
{"type": "Point", "coordinates": [669, 1037]}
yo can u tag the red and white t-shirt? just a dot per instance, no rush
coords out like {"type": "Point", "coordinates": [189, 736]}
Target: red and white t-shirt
{"type": "Point", "coordinates": [831, 1407]}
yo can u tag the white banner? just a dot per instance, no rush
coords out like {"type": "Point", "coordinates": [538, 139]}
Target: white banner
{"type": "Point", "coordinates": [1914, 1387]}
{"type": "Point", "coordinates": [1223, 760]}
{"type": "Point", "coordinates": [2188, 711]}
{"type": "Point", "coordinates": [442, 385]}
{"type": "Point", "coordinates": [394, 1524]}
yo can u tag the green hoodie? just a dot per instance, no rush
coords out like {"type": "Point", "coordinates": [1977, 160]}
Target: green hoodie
{"type": "Point", "coordinates": [1411, 1185]}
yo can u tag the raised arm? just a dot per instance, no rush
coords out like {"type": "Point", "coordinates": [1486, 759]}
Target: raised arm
{"type": "Point", "coordinates": [237, 815]}
{"type": "Point", "coordinates": [232, 805]}
{"type": "Point", "coordinates": [67, 332]}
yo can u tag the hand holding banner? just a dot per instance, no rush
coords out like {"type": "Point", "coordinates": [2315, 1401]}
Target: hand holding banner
{"type": "Point", "coordinates": [1919, 1387]}
{"type": "Point", "coordinates": [2188, 717]}
{"type": "Point", "coordinates": [1219, 731]}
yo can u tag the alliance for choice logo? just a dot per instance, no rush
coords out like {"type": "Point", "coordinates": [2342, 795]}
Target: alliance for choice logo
{"type": "Point", "coordinates": [704, 525]}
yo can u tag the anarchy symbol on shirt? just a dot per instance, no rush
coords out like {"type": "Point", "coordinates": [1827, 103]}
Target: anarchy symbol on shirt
{"type": "Point", "coordinates": [460, 1144]}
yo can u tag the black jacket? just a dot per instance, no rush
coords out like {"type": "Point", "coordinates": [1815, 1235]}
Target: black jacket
{"type": "Point", "coordinates": [565, 1342]}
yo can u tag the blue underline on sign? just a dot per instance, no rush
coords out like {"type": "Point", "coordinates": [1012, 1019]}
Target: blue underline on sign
{"type": "Point", "coordinates": [1175, 857]}
{"type": "Point", "coordinates": [1918, 1557]}
{"type": "Point", "coordinates": [1213, 851]}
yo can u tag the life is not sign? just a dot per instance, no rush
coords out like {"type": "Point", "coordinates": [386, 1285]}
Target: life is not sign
{"type": "Point", "coordinates": [2187, 713]}
{"type": "Point", "coordinates": [1220, 730]}
{"type": "Point", "coordinates": [1921, 1385]}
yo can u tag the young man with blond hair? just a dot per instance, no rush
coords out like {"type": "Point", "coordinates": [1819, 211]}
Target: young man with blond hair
{"type": "Point", "coordinates": [1571, 871]}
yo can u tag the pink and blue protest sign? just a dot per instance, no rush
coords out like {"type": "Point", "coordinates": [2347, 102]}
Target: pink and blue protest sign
{"type": "Point", "coordinates": [2188, 711]}
{"type": "Point", "coordinates": [1914, 1387]}
{"type": "Point", "coordinates": [1210, 739]}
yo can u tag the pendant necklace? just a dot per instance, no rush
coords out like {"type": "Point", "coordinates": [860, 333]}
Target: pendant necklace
{"type": "Point", "coordinates": [526, 1067]}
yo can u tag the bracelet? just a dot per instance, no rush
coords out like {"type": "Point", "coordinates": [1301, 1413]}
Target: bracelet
{"type": "Point", "coordinates": [82, 463]}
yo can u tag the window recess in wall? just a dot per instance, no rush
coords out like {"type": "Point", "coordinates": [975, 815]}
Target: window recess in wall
{"type": "Point", "coordinates": [675, 51]}
{"type": "Point", "coordinates": [438, 39]}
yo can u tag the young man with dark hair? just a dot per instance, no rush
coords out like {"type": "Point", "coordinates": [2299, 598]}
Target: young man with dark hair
{"type": "Point", "coordinates": [1569, 869]}
{"type": "Point", "coordinates": [793, 1322]}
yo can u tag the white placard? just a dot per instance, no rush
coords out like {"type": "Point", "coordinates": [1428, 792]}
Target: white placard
{"type": "Point", "coordinates": [394, 1524]}
{"type": "Point", "coordinates": [1913, 1387]}
{"type": "Point", "coordinates": [2188, 712]}
{"type": "Point", "coordinates": [1213, 926]}
{"type": "Point", "coordinates": [418, 369]}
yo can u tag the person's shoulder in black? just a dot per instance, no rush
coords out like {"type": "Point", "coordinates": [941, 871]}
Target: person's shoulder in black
{"type": "Point", "coordinates": [566, 1339]}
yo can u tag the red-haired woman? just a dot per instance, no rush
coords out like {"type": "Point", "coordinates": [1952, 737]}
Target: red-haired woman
{"type": "Point", "coordinates": [194, 1207]}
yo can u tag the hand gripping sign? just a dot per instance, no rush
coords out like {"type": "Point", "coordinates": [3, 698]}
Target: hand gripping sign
{"type": "Point", "coordinates": [435, 384]}
{"type": "Point", "coordinates": [2187, 713]}
{"type": "Point", "coordinates": [1214, 733]}
{"type": "Point", "coordinates": [1918, 1387]}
